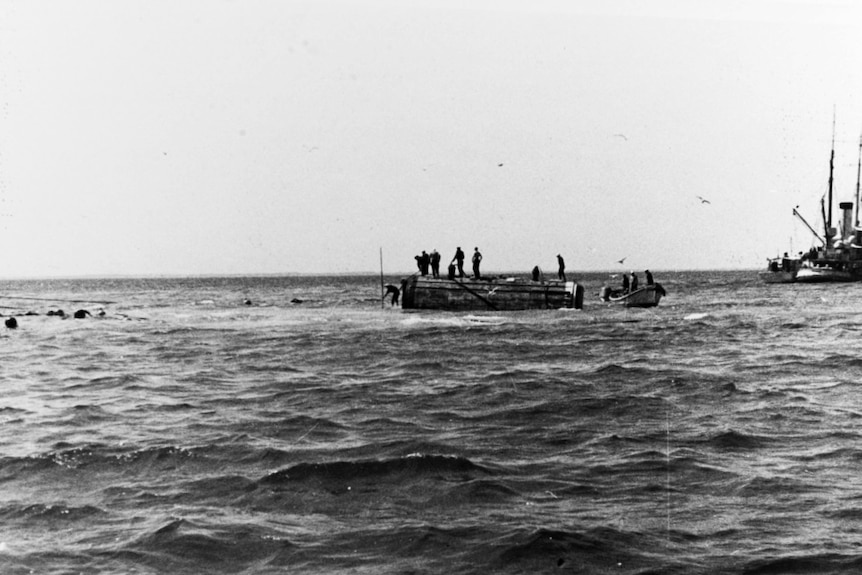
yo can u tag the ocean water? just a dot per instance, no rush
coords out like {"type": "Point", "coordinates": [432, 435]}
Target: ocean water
{"type": "Point", "coordinates": [315, 431]}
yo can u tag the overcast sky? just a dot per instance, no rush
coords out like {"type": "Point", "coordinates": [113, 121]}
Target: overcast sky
{"type": "Point", "coordinates": [214, 136]}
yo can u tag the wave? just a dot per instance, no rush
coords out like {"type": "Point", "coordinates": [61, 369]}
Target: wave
{"type": "Point", "coordinates": [822, 563]}
{"type": "Point", "coordinates": [476, 492]}
{"type": "Point", "coordinates": [415, 466]}
{"type": "Point", "coordinates": [48, 512]}
{"type": "Point", "coordinates": [734, 440]}
{"type": "Point", "coordinates": [597, 550]}
{"type": "Point", "coordinates": [183, 544]}
{"type": "Point", "coordinates": [96, 457]}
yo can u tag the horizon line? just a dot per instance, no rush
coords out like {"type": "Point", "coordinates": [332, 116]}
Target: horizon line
{"type": "Point", "coordinates": [331, 274]}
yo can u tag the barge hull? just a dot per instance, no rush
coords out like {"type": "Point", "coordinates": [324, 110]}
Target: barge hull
{"type": "Point", "coordinates": [494, 295]}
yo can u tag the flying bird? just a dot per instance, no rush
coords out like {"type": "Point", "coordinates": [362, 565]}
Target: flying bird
{"type": "Point", "coordinates": [703, 200]}
{"type": "Point", "coordinates": [622, 260]}
{"type": "Point", "coordinates": [623, 136]}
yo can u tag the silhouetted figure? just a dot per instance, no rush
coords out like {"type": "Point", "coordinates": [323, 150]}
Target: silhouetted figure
{"type": "Point", "coordinates": [477, 259]}
{"type": "Point", "coordinates": [536, 273]}
{"type": "Point", "coordinates": [634, 281]}
{"type": "Point", "coordinates": [435, 264]}
{"type": "Point", "coordinates": [11, 323]}
{"type": "Point", "coordinates": [451, 271]}
{"type": "Point", "coordinates": [649, 280]}
{"type": "Point", "coordinates": [459, 259]}
{"type": "Point", "coordinates": [391, 289]}
{"type": "Point", "coordinates": [625, 283]}
{"type": "Point", "coordinates": [423, 261]}
{"type": "Point", "coordinates": [561, 273]}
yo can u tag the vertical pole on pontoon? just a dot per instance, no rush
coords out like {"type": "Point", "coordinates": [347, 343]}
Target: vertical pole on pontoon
{"type": "Point", "coordinates": [831, 170]}
{"type": "Point", "coordinates": [382, 289]}
{"type": "Point", "coordinates": [858, 171]}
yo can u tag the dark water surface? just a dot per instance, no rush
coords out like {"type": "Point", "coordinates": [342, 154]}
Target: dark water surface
{"type": "Point", "coordinates": [185, 432]}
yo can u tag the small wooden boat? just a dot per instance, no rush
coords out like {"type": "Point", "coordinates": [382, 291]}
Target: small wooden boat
{"type": "Point", "coordinates": [496, 294]}
{"type": "Point", "coordinates": [781, 270]}
{"type": "Point", "coordinates": [646, 296]}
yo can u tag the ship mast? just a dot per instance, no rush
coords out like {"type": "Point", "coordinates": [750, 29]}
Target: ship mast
{"type": "Point", "coordinates": [858, 172]}
{"type": "Point", "coordinates": [831, 169]}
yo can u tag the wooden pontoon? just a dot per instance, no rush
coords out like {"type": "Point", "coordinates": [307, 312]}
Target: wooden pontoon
{"type": "Point", "coordinates": [495, 294]}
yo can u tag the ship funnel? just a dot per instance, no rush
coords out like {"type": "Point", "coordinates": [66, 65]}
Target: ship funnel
{"type": "Point", "coordinates": [846, 220]}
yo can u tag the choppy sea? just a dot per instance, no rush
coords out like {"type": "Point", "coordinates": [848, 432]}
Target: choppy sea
{"type": "Point", "coordinates": [315, 431]}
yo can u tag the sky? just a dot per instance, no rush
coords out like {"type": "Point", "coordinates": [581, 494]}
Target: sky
{"type": "Point", "coordinates": [187, 137]}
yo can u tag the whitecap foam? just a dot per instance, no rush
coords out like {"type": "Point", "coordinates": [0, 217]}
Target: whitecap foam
{"type": "Point", "coordinates": [492, 319]}
{"type": "Point", "coordinates": [413, 320]}
{"type": "Point", "coordinates": [695, 316]}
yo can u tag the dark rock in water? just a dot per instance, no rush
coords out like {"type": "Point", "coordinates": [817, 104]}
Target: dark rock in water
{"type": "Point", "coordinates": [247, 302]}
{"type": "Point", "coordinates": [31, 313]}
{"type": "Point", "coordinates": [11, 323]}
{"type": "Point", "coordinates": [81, 314]}
{"type": "Point", "coordinates": [58, 313]}
{"type": "Point", "coordinates": [296, 300]}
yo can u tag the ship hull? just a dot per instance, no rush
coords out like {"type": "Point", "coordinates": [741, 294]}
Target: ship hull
{"type": "Point", "coordinates": [825, 274]}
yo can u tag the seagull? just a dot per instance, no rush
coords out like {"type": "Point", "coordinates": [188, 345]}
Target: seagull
{"type": "Point", "coordinates": [622, 260]}
{"type": "Point", "coordinates": [623, 136]}
{"type": "Point", "coordinates": [703, 200]}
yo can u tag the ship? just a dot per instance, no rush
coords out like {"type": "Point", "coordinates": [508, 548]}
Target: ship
{"type": "Point", "coordinates": [838, 258]}
{"type": "Point", "coordinates": [492, 294]}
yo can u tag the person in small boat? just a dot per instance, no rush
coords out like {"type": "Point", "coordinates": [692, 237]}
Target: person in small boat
{"type": "Point", "coordinates": [435, 264]}
{"type": "Point", "coordinates": [634, 282]}
{"type": "Point", "coordinates": [477, 259]}
{"type": "Point", "coordinates": [625, 283]}
{"type": "Point", "coordinates": [649, 280]}
{"type": "Point", "coordinates": [391, 289]}
{"type": "Point", "coordinates": [561, 273]}
{"type": "Point", "coordinates": [459, 259]}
